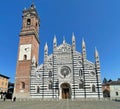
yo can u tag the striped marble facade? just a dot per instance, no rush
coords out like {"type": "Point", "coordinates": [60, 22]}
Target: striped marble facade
{"type": "Point", "coordinates": [66, 74]}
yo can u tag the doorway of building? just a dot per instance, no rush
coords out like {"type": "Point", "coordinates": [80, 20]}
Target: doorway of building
{"type": "Point", "coordinates": [66, 92]}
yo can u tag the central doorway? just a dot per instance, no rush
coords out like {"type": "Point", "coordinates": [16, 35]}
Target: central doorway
{"type": "Point", "coordinates": [65, 91]}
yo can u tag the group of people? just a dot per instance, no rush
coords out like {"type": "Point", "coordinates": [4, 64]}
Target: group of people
{"type": "Point", "coordinates": [3, 96]}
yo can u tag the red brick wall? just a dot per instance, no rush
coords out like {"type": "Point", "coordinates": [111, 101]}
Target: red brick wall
{"type": "Point", "coordinates": [23, 69]}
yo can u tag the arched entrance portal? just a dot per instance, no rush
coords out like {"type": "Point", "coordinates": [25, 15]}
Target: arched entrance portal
{"type": "Point", "coordinates": [66, 91]}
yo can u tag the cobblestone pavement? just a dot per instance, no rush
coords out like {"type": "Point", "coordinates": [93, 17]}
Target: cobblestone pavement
{"type": "Point", "coordinates": [61, 104]}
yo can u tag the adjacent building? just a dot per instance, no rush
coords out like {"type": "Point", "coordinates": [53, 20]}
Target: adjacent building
{"type": "Point", "coordinates": [64, 74]}
{"type": "Point", "coordinates": [115, 89]}
{"type": "Point", "coordinates": [3, 83]}
{"type": "Point", "coordinates": [106, 89]}
{"type": "Point", "coordinates": [111, 89]}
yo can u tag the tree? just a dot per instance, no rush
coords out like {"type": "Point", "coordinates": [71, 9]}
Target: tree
{"type": "Point", "coordinates": [105, 81]}
{"type": "Point", "coordinates": [109, 80]}
{"type": "Point", "coordinates": [118, 79]}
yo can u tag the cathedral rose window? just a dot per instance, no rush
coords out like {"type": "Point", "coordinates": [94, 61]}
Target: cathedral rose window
{"type": "Point", "coordinates": [65, 71]}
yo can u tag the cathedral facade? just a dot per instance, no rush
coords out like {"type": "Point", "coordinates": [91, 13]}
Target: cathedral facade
{"type": "Point", "coordinates": [65, 74]}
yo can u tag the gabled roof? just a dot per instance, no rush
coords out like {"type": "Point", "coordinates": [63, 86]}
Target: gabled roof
{"type": "Point", "coordinates": [4, 76]}
{"type": "Point", "coordinates": [111, 83]}
{"type": "Point", "coordinates": [115, 83]}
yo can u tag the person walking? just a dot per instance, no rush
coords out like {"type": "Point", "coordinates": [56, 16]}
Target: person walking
{"type": "Point", "coordinates": [4, 97]}
{"type": "Point", "coordinates": [14, 99]}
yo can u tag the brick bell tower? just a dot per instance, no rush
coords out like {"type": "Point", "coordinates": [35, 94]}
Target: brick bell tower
{"type": "Point", "coordinates": [27, 51]}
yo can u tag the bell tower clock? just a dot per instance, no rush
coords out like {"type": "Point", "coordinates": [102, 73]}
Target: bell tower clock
{"type": "Point", "coordinates": [28, 48]}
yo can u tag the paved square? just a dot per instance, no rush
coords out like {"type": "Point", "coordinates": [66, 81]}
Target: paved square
{"type": "Point", "coordinates": [61, 104]}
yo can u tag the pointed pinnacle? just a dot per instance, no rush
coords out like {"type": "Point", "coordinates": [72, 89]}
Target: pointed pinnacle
{"type": "Point", "coordinates": [83, 43]}
{"type": "Point", "coordinates": [54, 40]}
{"type": "Point", "coordinates": [46, 47]}
{"type": "Point", "coordinates": [96, 52]}
{"type": "Point", "coordinates": [73, 37]}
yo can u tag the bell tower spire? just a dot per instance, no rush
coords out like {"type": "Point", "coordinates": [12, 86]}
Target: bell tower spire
{"type": "Point", "coordinates": [31, 22]}
{"type": "Point", "coordinates": [28, 51]}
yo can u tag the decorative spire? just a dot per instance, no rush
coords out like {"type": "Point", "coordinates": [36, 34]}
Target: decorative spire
{"type": "Point", "coordinates": [55, 41]}
{"type": "Point", "coordinates": [73, 41]}
{"type": "Point", "coordinates": [45, 52]}
{"type": "Point", "coordinates": [64, 40]}
{"type": "Point", "coordinates": [83, 43]}
{"type": "Point", "coordinates": [46, 47]}
{"type": "Point", "coordinates": [97, 71]}
{"type": "Point", "coordinates": [96, 55]}
{"type": "Point", "coordinates": [73, 37]}
{"type": "Point", "coordinates": [83, 49]}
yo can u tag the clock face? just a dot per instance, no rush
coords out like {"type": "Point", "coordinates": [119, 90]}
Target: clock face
{"type": "Point", "coordinates": [65, 71]}
{"type": "Point", "coordinates": [25, 51]}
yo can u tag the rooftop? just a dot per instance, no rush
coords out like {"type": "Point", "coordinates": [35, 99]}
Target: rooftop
{"type": "Point", "coordinates": [4, 76]}
{"type": "Point", "coordinates": [111, 83]}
